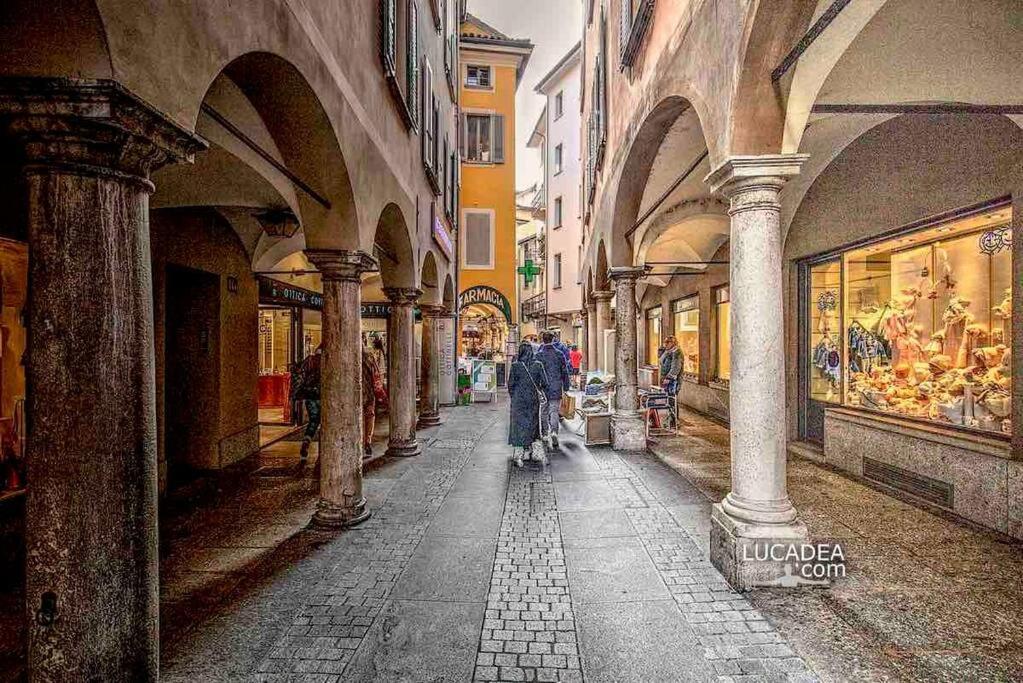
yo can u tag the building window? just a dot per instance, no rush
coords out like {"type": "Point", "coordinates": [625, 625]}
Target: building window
{"type": "Point", "coordinates": [478, 77]}
{"type": "Point", "coordinates": [686, 328]}
{"type": "Point", "coordinates": [558, 154]}
{"type": "Point", "coordinates": [559, 104]}
{"type": "Point", "coordinates": [722, 334]}
{"type": "Point", "coordinates": [917, 325]}
{"type": "Point", "coordinates": [653, 334]}
{"type": "Point", "coordinates": [578, 269]}
{"type": "Point", "coordinates": [556, 272]}
{"type": "Point", "coordinates": [479, 238]}
{"type": "Point", "coordinates": [557, 212]}
{"type": "Point", "coordinates": [399, 52]}
{"type": "Point", "coordinates": [484, 138]}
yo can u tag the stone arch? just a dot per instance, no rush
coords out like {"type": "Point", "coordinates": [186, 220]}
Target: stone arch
{"type": "Point", "coordinates": [670, 139]}
{"type": "Point", "coordinates": [269, 136]}
{"type": "Point", "coordinates": [448, 298]}
{"type": "Point", "coordinates": [429, 281]}
{"type": "Point", "coordinates": [600, 280]}
{"type": "Point", "coordinates": [699, 226]}
{"type": "Point", "coordinates": [772, 28]}
{"type": "Point", "coordinates": [394, 249]}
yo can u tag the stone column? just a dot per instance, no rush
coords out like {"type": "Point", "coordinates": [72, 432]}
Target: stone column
{"type": "Point", "coordinates": [757, 512]}
{"type": "Point", "coordinates": [602, 306]}
{"type": "Point", "coordinates": [342, 503]}
{"type": "Point", "coordinates": [585, 346]}
{"type": "Point", "coordinates": [628, 431]}
{"type": "Point", "coordinates": [401, 372]}
{"type": "Point", "coordinates": [91, 596]}
{"type": "Point", "coordinates": [592, 362]}
{"type": "Point", "coordinates": [429, 392]}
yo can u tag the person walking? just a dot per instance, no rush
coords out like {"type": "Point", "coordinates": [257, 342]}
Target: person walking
{"type": "Point", "coordinates": [307, 390]}
{"type": "Point", "coordinates": [558, 381]}
{"type": "Point", "coordinates": [527, 385]}
{"type": "Point", "coordinates": [575, 361]}
{"type": "Point", "coordinates": [372, 390]}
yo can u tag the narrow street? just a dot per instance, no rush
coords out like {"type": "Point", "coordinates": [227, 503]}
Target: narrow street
{"type": "Point", "coordinates": [595, 569]}
{"type": "Point", "coordinates": [469, 569]}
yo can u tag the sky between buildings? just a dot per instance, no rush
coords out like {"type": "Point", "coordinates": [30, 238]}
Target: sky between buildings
{"type": "Point", "coordinates": [554, 26]}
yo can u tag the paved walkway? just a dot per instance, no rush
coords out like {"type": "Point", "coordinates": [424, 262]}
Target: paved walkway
{"type": "Point", "coordinates": [594, 569]}
{"type": "Point", "coordinates": [928, 597]}
{"type": "Point", "coordinates": [471, 569]}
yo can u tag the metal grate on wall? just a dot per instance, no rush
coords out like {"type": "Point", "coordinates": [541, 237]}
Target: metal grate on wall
{"type": "Point", "coordinates": [932, 490]}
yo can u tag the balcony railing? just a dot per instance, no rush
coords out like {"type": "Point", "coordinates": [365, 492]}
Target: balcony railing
{"type": "Point", "coordinates": [534, 307]}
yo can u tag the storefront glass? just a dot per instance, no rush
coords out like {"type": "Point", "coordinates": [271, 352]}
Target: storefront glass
{"type": "Point", "coordinates": [13, 341]}
{"type": "Point", "coordinates": [653, 334]}
{"type": "Point", "coordinates": [722, 329]}
{"type": "Point", "coordinates": [686, 323]}
{"type": "Point", "coordinates": [918, 325]}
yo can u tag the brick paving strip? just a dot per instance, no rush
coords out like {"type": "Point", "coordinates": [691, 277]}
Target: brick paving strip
{"type": "Point", "coordinates": [738, 641]}
{"type": "Point", "coordinates": [339, 609]}
{"type": "Point", "coordinates": [529, 629]}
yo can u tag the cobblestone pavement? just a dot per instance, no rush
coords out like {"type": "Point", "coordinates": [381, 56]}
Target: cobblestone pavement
{"type": "Point", "coordinates": [927, 597]}
{"type": "Point", "coordinates": [472, 569]}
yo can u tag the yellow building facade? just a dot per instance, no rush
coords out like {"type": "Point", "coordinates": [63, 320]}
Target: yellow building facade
{"type": "Point", "coordinates": [490, 67]}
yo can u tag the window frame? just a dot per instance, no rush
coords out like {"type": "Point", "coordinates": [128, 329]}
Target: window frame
{"type": "Point", "coordinates": [490, 77]}
{"type": "Point", "coordinates": [559, 104]}
{"type": "Point", "coordinates": [556, 269]}
{"type": "Point", "coordinates": [496, 121]}
{"type": "Point", "coordinates": [464, 236]}
{"type": "Point", "coordinates": [559, 158]}
{"type": "Point", "coordinates": [559, 212]}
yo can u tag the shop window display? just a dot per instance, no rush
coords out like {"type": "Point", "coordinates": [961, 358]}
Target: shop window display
{"type": "Point", "coordinates": [825, 332]}
{"type": "Point", "coordinates": [925, 324]}
{"type": "Point", "coordinates": [653, 334]}
{"type": "Point", "coordinates": [686, 314]}
{"type": "Point", "coordinates": [722, 329]}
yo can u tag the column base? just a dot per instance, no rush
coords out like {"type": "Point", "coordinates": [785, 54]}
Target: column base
{"type": "Point", "coordinates": [330, 516]}
{"type": "Point", "coordinates": [429, 420]}
{"type": "Point", "coordinates": [404, 450]}
{"type": "Point", "coordinates": [752, 554]}
{"type": "Point", "coordinates": [628, 431]}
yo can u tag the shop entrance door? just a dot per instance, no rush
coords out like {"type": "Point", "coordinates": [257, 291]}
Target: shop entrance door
{"type": "Point", "coordinates": [192, 376]}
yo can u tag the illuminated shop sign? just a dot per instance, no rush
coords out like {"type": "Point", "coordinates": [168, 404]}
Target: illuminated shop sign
{"type": "Point", "coordinates": [483, 294]}
{"type": "Point", "coordinates": [276, 292]}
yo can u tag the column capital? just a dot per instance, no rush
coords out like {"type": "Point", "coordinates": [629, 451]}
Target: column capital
{"type": "Point", "coordinates": [765, 171]}
{"type": "Point", "coordinates": [602, 295]}
{"type": "Point", "coordinates": [91, 127]}
{"type": "Point", "coordinates": [432, 310]}
{"type": "Point", "coordinates": [403, 295]}
{"type": "Point", "coordinates": [632, 273]}
{"type": "Point", "coordinates": [342, 264]}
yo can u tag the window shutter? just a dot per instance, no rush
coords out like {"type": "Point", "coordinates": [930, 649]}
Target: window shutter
{"type": "Point", "coordinates": [463, 133]}
{"type": "Point", "coordinates": [427, 116]}
{"type": "Point", "coordinates": [412, 96]}
{"type": "Point", "coordinates": [388, 29]}
{"type": "Point", "coordinates": [497, 131]}
{"type": "Point", "coordinates": [625, 26]}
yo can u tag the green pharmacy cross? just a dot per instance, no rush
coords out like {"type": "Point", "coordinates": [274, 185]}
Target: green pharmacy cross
{"type": "Point", "coordinates": [528, 271]}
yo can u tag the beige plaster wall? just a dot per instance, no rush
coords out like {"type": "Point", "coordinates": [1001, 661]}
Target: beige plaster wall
{"type": "Point", "coordinates": [199, 239]}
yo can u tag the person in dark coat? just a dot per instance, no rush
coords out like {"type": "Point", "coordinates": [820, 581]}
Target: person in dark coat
{"type": "Point", "coordinates": [555, 364]}
{"type": "Point", "coordinates": [526, 382]}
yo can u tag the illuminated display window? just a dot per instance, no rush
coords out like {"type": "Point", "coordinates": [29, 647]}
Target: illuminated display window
{"type": "Point", "coordinates": [686, 324]}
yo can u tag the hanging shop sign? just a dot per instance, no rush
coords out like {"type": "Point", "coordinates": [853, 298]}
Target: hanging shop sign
{"type": "Point", "coordinates": [483, 294]}
{"type": "Point", "coordinates": [276, 292]}
{"type": "Point", "coordinates": [381, 310]}
{"type": "Point", "coordinates": [442, 238]}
